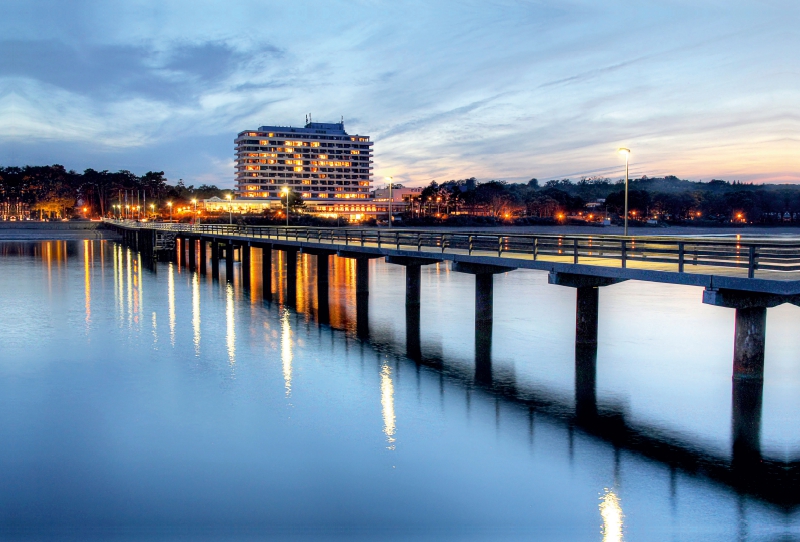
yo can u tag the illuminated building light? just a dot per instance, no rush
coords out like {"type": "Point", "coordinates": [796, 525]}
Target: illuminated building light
{"type": "Point", "coordinates": [287, 165]}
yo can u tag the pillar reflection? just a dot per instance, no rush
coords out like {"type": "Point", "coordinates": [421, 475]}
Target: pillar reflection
{"type": "Point", "coordinates": [746, 422]}
{"type": "Point", "coordinates": [171, 301]}
{"type": "Point", "coordinates": [286, 351]}
{"type": "Point", "coordinates": [387, 404]}
{"type": "Point", "coordinates": [585, 382]}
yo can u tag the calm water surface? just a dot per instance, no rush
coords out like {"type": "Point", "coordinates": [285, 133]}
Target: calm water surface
{"type": "Point", "coordinates": [163, 405]}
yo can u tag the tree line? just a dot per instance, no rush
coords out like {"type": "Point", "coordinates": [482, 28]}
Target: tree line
{"type": "Point", "coordinates": [667, 199]}
{"type": "Point", "coordinates": [54, 191]}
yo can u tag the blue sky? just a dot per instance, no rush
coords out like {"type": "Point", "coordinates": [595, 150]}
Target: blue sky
{"type": "Point", "coordinates": [492, 89]}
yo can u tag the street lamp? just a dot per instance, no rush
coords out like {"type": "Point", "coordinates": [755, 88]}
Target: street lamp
{"type": "Point", "coordinates": [153, 210]}
{"type": "Point", "coordinates": [195, 212]}
{"type": "Point", "coordinates": [169, 204]}
{"type": "Point", "coordinates": [285, 191]}
{"type": "Point", "coordinates": [626, 153]}
{"type": "Point", "coordinates": [391, 200]}
{"type": "Point", "coordinates": [230, 208]}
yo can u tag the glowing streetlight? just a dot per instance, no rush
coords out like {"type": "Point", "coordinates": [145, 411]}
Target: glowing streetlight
{"type": "Point", "coordinates": [391, 200]}
{"type": "Point", "coordinates": [195, 211]}
{"type": "Point", "coordinates": [285, 191]}
{"type": "Point", "coordinates": [230, 208]}
{"type": "Point", "coordinates": [153, 210]}
{"type": "Point", "coordinates": [169, 204]}
{"type": "Point", "coordinates": [626, 153]}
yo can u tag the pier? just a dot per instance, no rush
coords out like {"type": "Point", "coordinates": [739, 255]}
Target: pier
{"type": "Point", "coordinates": [748, 276]}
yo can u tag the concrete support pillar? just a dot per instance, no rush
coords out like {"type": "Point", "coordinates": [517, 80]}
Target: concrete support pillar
{"type": "Point", "coordinates": [202, 255]}
{"type": "Point", "coordinates": [484, 309]}
{"type": "Point", "coordinates": [229, 261]}
{"type": "Point", "coordinates": [266, 272]}
{"type": "Point", "coordinates": [192, 254]}
{"type": "Point", "coordinates": [215, 259]}
{"type": "Point", "coordinates": [748, 366]}
{"type": "Point", "coordinates": [245, 259]}
{"type": "Point", "coordinates": [484, 299]}
{"type": "Point", "coordinates": [413, 281]}
{"type": "Point", "coordinates": [291, 277]}
{"type": "Point", "coordinates": [749, 342]}
{"type": "Point", "coordinates": [587, 294]}
{"type": "Point", "coordinates": [586, 315]}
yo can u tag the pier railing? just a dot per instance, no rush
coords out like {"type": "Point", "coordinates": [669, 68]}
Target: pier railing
{"type": "Point", "coordinates": [780, 257]}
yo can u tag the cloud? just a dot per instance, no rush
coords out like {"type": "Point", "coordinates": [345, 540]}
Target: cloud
{"type": "Point", "coordinates": [112, 72]}
{"type": "Point", "coordinates": [495, 89]}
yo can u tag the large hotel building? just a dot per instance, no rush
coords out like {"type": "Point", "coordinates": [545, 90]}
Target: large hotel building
{"type": "Point", "coordinates": [330, 168]}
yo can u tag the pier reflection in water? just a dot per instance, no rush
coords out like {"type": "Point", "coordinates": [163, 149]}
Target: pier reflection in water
{"type": "Point", "coordinates": [331, 406]}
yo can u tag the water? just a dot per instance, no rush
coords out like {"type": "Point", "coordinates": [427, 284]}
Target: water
{"type": "Point", "coordinates": [167, 406]}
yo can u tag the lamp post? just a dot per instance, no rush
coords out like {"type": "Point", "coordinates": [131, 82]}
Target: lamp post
{"type": "Point", "coordinates": [627, 153]}
{"type": "Point", "coordinates": [391, 200]}
{"type": "Point", "coordinates": [195, 212]}
{"type": "Point", "coordinates": [153, 211]}
{"type": "Point", "coordinates": [230, 208]}
{"type": "Point", "coordinates": [285, 191]}
{"type": "Point", "coordinates": [169, 204]}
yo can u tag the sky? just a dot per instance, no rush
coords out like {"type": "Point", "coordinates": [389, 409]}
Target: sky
{"type": "Point", "coordinates": [505, 89]}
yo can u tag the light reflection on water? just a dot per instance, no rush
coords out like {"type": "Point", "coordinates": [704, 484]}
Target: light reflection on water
{"type": "Point", "coordinates": [611, 512]}
{"type": "Point", "coordinates": [286, 351]}
{"type": "Point", "coordinates": [473, 460]}
{"type": "Point", "coordinates": [387, 404]}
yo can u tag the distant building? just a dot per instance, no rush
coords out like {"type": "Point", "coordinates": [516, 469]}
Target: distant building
{"type": "Point", "coordinates": [329, 168]}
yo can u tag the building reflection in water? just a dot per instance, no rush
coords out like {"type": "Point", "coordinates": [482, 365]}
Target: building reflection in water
{"type": "Point", "coordinates": [611, 512]}
{"type": "Point", "coordinates": [387, 404]}
{"type": "Point", "coordinates": [286, 351]}
{"type": "Point", "coordinates": [230, 335]}
{"type": "Point", "coordinates": [196, 312]}
{"type": "Point", "coordinates": [120, 268]}
{"type": "Point", "coordinates": [129, 277]}
{"type": "Point", "coordinates": [171, 302]}
{"type": "Point", "coordinates": [88, 250]}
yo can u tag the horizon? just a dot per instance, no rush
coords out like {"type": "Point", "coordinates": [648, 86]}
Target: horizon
{"type": "Point", "coordinates": [502, 91]}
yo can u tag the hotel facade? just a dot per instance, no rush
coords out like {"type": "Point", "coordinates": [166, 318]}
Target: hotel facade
{"type": "Point", "coordinates": [329, 168]}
